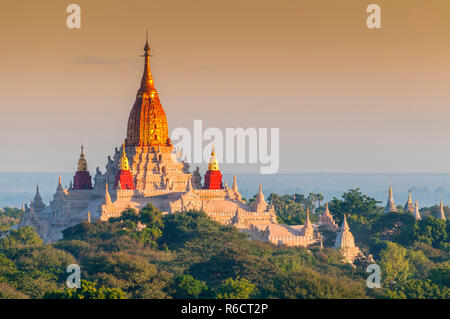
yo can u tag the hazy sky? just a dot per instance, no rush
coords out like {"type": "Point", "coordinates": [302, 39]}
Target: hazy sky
{"type": "Point", "coordinates": [346, 98]}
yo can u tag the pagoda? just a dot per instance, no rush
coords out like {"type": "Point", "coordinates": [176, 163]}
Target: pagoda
{"type": "Point", "coordinates": [213, 176]}
{"type": "Point", "coordinates": [390, 206]}
{"type": "Point", "coordinates": [82, 178]}
{"type": "Point", "coordinates": [345, 243]}
{"type": "Point", "coordinates": [409, 206]}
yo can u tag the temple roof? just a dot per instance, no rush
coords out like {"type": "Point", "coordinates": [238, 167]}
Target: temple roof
{"type": "Point", "coordinates": [38, 204]}
{"type": "Point", "coordinates": [147, 123]}
{"type": "Point", "coordinates": [344, 238]}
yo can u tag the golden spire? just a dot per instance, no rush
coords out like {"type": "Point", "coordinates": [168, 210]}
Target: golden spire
{"type": "Point", "coordinates": [147, 122]}
{"type": "Point", "coordinates": [213, 164]}
{"type": "Point", "coordinates": [409, 197]}
{"type": "Point", "coordinates": [82, 163]}
{"type": "Point", "coordinates": [123, 163]}
{"type": "Point", "coordinates": [147, 84]}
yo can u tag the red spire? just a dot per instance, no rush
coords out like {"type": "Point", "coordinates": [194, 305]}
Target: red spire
{"type": "Point", "coordinates": [213, 176]}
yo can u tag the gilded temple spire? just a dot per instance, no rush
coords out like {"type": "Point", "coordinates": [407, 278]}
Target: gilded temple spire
{"type": "Point", "coordinates": [213, 164]}
{"type": "Point", "coordinates": [409, 206]}
{"type": "Point", "coordinates": [147, 123]}
{"type": "Point", "coordinates": [123, 164]}
{"type": "Point", "coordinates": [147, 84]}
{"type": "Point", "coordinates": [82, 163]}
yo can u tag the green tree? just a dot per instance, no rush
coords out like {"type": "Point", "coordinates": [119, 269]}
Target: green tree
{"type": "Point", "coordinates": [7, 268]}
{"type": "Point", "coordinates": [145, 226]}
{"type": "Point", "coordinates": [418, 289]}
{"type": "Point", "coordinates": [22, 236]}
{"type": "Point", "coordinates": [186, 286]}
{"type": "Point", "coordinates": [358, 207]}
{"type": "Point", "coordinates": [431, 231]}
{"type": "Point", "coordinates": [394, 263]}
{"type": "Point", "coordinates": [239, 288]}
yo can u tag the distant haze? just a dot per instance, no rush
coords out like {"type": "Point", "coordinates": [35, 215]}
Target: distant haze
{"type": "Point", "coordinates": [428, 189]}
{"type": "Point", "coordinates": [346, 98]}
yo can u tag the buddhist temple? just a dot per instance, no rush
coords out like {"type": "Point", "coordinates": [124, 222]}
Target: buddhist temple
{"type": "Point", "coordinates": [409, 206]}
{"type": "Point", "coordinates": [345, 243]}
{"type": "Point", "coordinates": [146, 169]}
{"type": "Point", "coordinates": [390, 206]}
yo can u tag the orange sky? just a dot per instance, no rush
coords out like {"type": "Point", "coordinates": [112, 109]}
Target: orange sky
{"type": "Point", "coordinates": [346, 98]}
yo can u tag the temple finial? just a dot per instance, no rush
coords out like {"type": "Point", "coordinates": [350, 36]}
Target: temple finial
{"type": "Point", "coordinates": [82, 163]}
{"type": "Point", "coordinates": [147, 79]}
{"type": "Point", "coordinates": [213, 163]}
{"type": "Point", "coordinates": [147, 47]}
